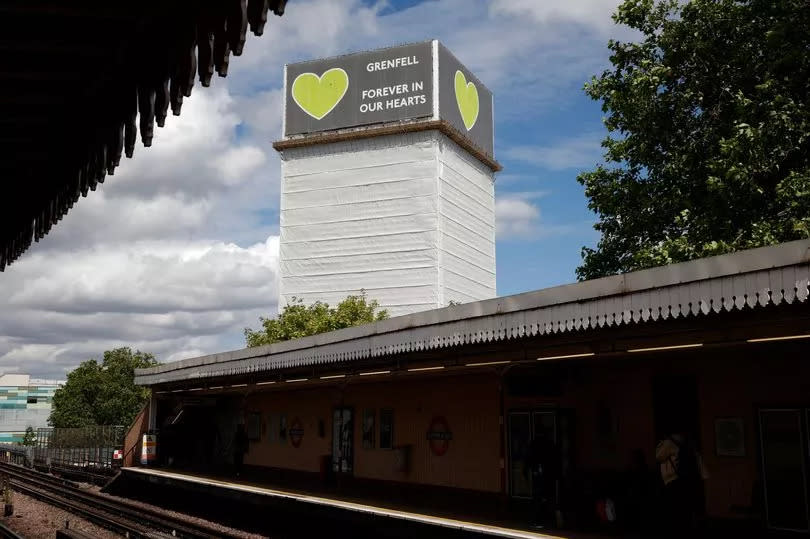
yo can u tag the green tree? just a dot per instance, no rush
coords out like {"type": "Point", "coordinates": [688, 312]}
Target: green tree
{"type": "Point", "coordinates": [102, 393]}
{"type": "Point", "coordinates": [708, 114]}
{"type": "Point", "coordinates": [298, 320]}
{"type": "Point", "coordinates": [30, 437]}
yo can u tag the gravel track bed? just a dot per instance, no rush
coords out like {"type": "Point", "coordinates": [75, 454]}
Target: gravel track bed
{"type": "Point", "coordinates": [179, 516]}
{"type": "Point", "coordinates": [34, 519]}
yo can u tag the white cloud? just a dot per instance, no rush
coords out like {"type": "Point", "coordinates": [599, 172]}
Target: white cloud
{"type": "Point", "coordinates": [235, 164]}
{"type": "Point", "coordinates": [518, 217]}
{"type": "Point", "coordinates": [162, 296]}
{"type": "Point", "coordinates": [175, 254]}
{"type": "Point", "coordinates": [515, 217]}
{"type": "Point", "coordinates": [595, 14]}
{"type": "Point", "coordinates": [574, 152]}
{"type": "Point", "coordinates": [150, 259]}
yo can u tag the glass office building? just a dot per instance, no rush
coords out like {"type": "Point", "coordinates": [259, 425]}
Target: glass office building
{"type": "Point", "coordinates": [24, 402]}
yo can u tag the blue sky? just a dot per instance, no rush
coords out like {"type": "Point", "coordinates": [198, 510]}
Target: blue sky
{"type": "Point", "coordinates": [178, 252]}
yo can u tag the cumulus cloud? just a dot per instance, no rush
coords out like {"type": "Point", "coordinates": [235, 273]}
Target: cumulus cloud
{"type": "Point", "coordinates": [169, 255]}
{"type": "Point", "coordinates": [163, 296]}
{"type": "Point", "coordinates": [515, 217]}
{"type": "Point", "coordinates": [177, 252]}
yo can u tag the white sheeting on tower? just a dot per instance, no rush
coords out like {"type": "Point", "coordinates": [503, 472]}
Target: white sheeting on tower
{"type": "Point", "coordinates": [408, 218]}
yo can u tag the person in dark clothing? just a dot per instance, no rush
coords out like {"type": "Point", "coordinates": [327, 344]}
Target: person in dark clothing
{"type": "Point", "coordinates": [683, 474]}
{"type": "Point", "coordinates": [543, 462]}
{"type": "Point", "coordinates": [640, 488]}
{"type": "Point", "coordinates": [240, 447]}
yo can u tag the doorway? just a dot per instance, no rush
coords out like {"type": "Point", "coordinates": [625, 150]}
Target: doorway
{"type": "Point", "coordinates": [523, 427]}
{"type": "Point", "coordinates": [343, 440]}
{"type": "Point", "coordinates": [783, 436]}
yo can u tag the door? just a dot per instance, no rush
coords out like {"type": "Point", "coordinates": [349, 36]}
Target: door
{"type": "Point", "coordinates": [545, 422]}
{"type": "Point", "coordinates": [782, 449]}
{"type": "Point", "coordinates": [343, 440]}
{"type": "Point", "coordinates": [523, 427]}
{"type": "Point", "coordinates": [519, 438]}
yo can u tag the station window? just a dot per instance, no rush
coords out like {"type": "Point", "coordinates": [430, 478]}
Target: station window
{"type": "Point", "coordinates": [386, 428]}
{"type": "Point", "coordinates": [282, 428]}
{"type": "Point", "coordinates": [369, 417]}
{"type": "Point", "coordinates": [32, 400]}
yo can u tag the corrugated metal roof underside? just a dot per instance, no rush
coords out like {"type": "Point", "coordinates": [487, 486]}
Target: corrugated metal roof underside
{"type": "Point", "coordinates": [749, 279]}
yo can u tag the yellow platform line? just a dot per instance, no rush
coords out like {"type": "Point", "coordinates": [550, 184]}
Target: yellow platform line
{"type": "Point", "coordinates": [351, 506]}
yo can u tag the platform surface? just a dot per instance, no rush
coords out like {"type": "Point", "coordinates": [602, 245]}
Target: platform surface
{"type": "Point", "coordinates": [480, 528]}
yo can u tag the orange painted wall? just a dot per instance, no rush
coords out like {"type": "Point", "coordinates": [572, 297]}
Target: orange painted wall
{"type": "Point", "coordinates": [626, 391]}
{"type": "Point", "coordinates": [737, 387]}
{"type": "Point", "coordinates": [469, 403]}
{"type": "Point", "coordinates": [307, 405]}
{"type": "Point", "coordinates": [731, 383]}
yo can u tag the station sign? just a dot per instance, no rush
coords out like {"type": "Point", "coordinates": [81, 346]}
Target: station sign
{"type": "Point", "coordinates": [296, 432]}
{"type": "Point", "coordinates": [439, 436]}
{"type": "Point", "coordinates": [395, 84]}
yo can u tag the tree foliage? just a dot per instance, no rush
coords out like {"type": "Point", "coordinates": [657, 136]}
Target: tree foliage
{"type": "Point", "coordinates": [709, 121]}
{"type": "Point", "coordinates": [298, 320]}
{"type": "Point", "coordinates": [30, 437]}
{"type": "Point", "coordinates": [102, 393]}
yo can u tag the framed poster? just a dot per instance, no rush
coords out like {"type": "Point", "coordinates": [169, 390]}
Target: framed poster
{"type": "Point", "coordinates": [254, 426]}
{"type": "Point", "coordinates": [386, 428]}
{"type": "Point", "coordinates": [369, 420]}
{"type": "Point", "coordinates": [729, 436]}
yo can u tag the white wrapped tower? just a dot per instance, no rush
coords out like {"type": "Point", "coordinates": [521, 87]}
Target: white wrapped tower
{"type": "Point", "coordinates": [387, 180]}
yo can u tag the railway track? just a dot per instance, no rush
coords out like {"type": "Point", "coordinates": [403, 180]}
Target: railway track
{"type": "Point", "coordinates": [128, 519]}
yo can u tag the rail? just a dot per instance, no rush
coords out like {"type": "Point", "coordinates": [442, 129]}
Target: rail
{"type": "Point", "coordinates": [8, 533]}
{"type": "Point", "coordinates": [134, 521]}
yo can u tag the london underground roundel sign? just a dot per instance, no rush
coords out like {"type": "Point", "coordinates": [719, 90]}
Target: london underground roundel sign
{"type": "Point", "coordinates": [296, 432]}
{"type": "Point", "coordinates": [439, 436]}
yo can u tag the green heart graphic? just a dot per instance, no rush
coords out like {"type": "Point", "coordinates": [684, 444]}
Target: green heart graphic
{"type": "Point", "coordinates": [317, 96]}
{"type": "Point", "coordinates": [467, 99]}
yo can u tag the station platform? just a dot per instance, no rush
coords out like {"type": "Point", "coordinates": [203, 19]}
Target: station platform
{"type": "Point", "coordinates": [288, 512]}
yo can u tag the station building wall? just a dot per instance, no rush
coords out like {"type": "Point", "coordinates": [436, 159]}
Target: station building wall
{"type": "Point", "coordinates": [469, 404]}
{"type": "Point", "coordinates": [613, 404]}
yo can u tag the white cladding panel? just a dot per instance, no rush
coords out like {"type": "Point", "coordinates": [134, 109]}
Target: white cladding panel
{"type": "Point", "coordinates": [361, 215]}
{"type": "Point", "coordinates": [370, 215]}
{"type": "Point", "coordinates": [466, 226]}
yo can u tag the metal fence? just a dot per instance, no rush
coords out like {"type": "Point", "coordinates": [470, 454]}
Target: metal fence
{"type": "Point", "coordinates": [87, 448]}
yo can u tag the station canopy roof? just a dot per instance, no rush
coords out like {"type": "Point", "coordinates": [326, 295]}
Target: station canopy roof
{"type": "Point", "coordinates": [81, 80]}
{"type": "Point", "coordinates": [756, 279]}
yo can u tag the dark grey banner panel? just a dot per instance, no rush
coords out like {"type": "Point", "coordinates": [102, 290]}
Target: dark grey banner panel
{"type": "Point", "coordinates": [465, 102]}
{"type": "Point", "coordinates": [359, 89]}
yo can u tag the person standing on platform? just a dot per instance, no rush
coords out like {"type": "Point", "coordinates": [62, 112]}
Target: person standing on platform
{"type": "Point", "coordinates": [683, 474]}
{"type": "Point", "coordinates": [240, 447]}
